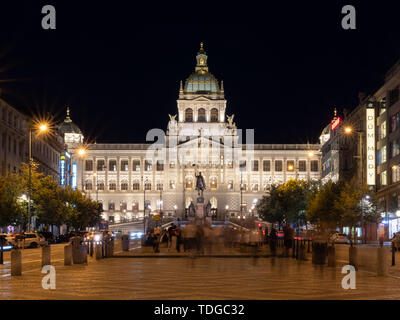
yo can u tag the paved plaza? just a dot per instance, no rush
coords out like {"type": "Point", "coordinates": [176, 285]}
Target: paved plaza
{"type": "Point", "coordinates": [194, 278]}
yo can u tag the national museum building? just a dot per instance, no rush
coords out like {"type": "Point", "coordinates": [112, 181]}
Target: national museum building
{"type": "Point", "coordinates": [200, 138]}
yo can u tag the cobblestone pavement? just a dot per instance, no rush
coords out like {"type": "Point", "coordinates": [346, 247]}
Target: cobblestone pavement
{"type": "Point", "coordinates": [198, 278]}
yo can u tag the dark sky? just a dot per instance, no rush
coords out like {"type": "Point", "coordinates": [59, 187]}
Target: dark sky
{"type": "Point", "coordinates": [285, 67]}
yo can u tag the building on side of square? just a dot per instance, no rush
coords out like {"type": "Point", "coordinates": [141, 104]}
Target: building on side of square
{"type": "Point", "coordinates": [199, 138]}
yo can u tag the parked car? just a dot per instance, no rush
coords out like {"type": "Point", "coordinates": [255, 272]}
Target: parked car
{"type": "Point", "coordinates": [50, 238]}
{"type": "Point", "coordinates": [339, 238]}
{"type": "Point", "coordinates": [6, 242]}
{"type": "Point", "coordinates": [29, 240]}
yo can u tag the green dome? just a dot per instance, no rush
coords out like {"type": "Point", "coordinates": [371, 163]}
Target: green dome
{"type": "Point", "coordinates": [68, 126]}
{"type": "Point", "coordinates": [201, 82]}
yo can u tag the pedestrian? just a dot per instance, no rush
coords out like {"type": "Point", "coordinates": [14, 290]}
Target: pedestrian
{"type": "Point", "coordinates": [156, 240]}
{"type": "Point", "coordinates": [173, 240]}
{"type": "Point", "coordinates": [272, 241]}
{"type": "Point", "coordinates": [178, 232]}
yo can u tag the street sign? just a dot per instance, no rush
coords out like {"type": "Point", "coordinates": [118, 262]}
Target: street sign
{"type": "Point", "coordinates": [156, 218]}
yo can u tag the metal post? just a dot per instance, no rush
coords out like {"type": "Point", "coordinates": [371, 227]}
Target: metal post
{"type": "Point", "coordinates": [297, 248]}
{"type": "Point", "coordinates": [308, 249]}
{"type": "Point", "coordinates": [29, 179]}
{"type": "Point", "coordinates": [144, 206]}
{"type": "Point", "coordinates": [1, 250]}
{"type": "Point", "coordinates": [362, 187]}
{"type": "Point", "coordinates": [393, 255]}
{"type": "Point", "coordinates": [293, 248]}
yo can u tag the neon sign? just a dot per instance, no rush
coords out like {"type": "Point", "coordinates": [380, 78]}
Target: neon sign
{"type": "Point", "coordinates": [336, 123]}
{"type": "Point", "coordinates": [74, 171]}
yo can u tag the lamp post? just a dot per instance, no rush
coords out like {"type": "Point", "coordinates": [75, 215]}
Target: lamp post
{"type": "Point", "coordinates": [144, 204]}
{"type": "Point", "coordinates": [41, 128]}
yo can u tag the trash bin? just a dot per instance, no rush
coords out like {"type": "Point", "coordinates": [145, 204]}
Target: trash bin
{"type": "Point", "coordinates": [79, 250]}
{"type": "Point", "coordinates": [125, 242]}
{"type": "Point", "coordinates": [319, 252]}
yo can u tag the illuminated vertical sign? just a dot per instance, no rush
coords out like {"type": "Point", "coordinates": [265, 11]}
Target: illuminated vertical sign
{"type": "Point", "coordinates": [74, 170]}
{"type": "Point", "coordinates": [62, 171]}
{"type": "Point", "coordinates": [371, 147]}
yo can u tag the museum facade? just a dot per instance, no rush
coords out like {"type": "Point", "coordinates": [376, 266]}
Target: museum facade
{"type": "Point", "coordinates": [201, 138]}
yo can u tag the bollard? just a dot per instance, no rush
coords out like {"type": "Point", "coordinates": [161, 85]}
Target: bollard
{"type": "Point", "coordinates": [297, 249]}
{"type": "Point", "coordinates": [308, 250]}
{"type": "Point", "coordinates": [16, 263]}
{"type": "Point", "coordinates": [331, 256]}
{"type": "Point", "coordinates": [353, 258]}
{"type": "Point", "coordinates": [125, 242]}
{"type": "Point", "coordinates": [98, 251]}
{"type": "Point", "coordinates": [393, 255]}
{"type": "Point", "coordinates": [302, 254]}
{"type": "Point", "coordinates": [319, 253]}
{"type": "Point", "coordinates": [46, 256]}
{"type": "Point", "coordinates": [91, 248]}
{"type": "Point", "coordinates": [68, 255]}
{"type": "Point", "coordinates": [381, 262]}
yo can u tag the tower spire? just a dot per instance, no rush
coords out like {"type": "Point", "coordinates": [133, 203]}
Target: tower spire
{"type": "Point", "coordinates": [201, 59]}
{"type": "Point", "coordinates": [181, 87]}
{"type": "Point", "coordinates": [67, 118]}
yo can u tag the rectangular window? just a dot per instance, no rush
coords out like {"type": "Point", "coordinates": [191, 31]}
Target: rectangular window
{"type": "Point", "coordinates": [314, 165]}
{"type": "Point", "coordinates": [112, 165]}
{"type": "Point", "coordinates": [100, 165]}
{"type": "Point", "coordinates": [136, 165]}
{"type": "Point", "coordinates": [384, 178]}
{"type": "Point", "coordinates": [89, 165]}
{"type": "Point", "coordinates": [393, 96]}
{"type": "Point", "coordinates": [278, 165]}
{"type": "Point", "coordinates": [254, 165]}
{"type": "Point", "coordinates": [111, 206]}
{"type": "Point", "coordinates": [267, 165]}
{"type": "Point", "coordinates": [172, 184]}
{"type": "Point", "coordinates": [383, 154]}
{"type": "Point", "coordinates": [290, 166]}
{"type": "Point", "coordinates": [124, 165]}
{"type": "Point", "coordinates": [160, 165]}
{"type": "Point", "coordinates": [302, 166]}
{"type": "Point", "coordinates": [242, 165]}
{"type": "Point", "coordinates": [382, 130]}
{"type": "Point", "coordinates": [148, 165]}
{"type": "Point", "coordinates": [395, 174]}
{"type": "Point", "coordinates": [395, 148]}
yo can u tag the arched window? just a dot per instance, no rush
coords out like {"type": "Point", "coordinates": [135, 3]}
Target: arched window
{"type": "Point", "coordinates": [112, 185]}
{"type": "Point", "coordinates": [188, 115]}
{"type": "Point", "coordinates": [124, 185]}
{"type": "Point", "coordinates": [254, 187]}
{"type": "Point", "coordinates": [147, 186]}
{"type": "Point", "coordinates": [230, 185]}
{"type": "Point", "coordinates": [136, 185]}
{"type": "Point", "coordinates": [135, 206]}
{"type": "Point", "coordinates": [189, 183]}
{"type": "Point", "coordinates": [100, 186]}
{"type": "Point", "coordinates": [159, 186]}
{"type": "Point", "coordinates": [201, 115]}
{"type": "Point", "coordinates": [213, 183]}
{"type": "Point", "coordinates": [214, 115]}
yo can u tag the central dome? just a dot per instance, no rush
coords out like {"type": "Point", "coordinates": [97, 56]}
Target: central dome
{"type": "Point", "coordinates": [199, 82]}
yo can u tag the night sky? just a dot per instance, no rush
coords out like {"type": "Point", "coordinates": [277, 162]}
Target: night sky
{"type": "Point", "coordinates": [285, 67]}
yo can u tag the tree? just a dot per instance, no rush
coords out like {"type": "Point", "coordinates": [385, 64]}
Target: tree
{"type": "Point", "coordinates": [11, 204]}
{"type": "Point", "coordinates": [287, 203]}
{"type": "Point", "coordinates": [321, 209]}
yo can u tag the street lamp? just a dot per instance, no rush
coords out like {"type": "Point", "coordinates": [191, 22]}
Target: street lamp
{"type": "Point", "coordinates": [39, 128]}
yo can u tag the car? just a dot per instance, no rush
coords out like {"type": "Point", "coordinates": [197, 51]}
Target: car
{"type": "Point", "coordinates": [6, 242]}
{"type": "Point", "coordinates": [95, 236]}
{"type": "Point", "coordinates": [339, 238]}
{"type": "Point", "coordinates": [50, 238]}
{"type": "Point", "coordinates": [29, 240]}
